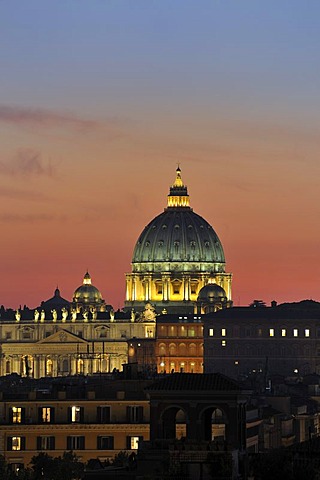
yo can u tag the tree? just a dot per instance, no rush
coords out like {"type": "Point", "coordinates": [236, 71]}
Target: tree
{"type": "Point", "coordinates": [66, 467]}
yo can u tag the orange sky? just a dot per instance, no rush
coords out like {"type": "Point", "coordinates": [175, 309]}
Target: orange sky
{"type": "Point", "coordinates": [96, 114]}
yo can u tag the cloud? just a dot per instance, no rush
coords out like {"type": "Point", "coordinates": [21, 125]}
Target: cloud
{"type": "Point", "coordinates": [20, 194]}
{"type": "Point", "coordinates": [27, 162]}
{"type": "Point", "coordinates": [37, 117]}
{"type": "Point", "coordinates": [27, 218]}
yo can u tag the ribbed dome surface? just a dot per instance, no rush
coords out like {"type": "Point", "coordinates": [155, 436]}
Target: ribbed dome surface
{"type": "Point", "coordinates": [178, 235]}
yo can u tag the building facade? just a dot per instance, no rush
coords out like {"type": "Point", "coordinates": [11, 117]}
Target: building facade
{"type": "Point", "coordinates": [283, 339]}
{"type": "Point", "coordinates": [179, 343]}
{"type": "Point", "coordinates": [55, 340]}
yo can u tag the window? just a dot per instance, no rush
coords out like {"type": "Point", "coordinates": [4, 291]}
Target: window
{"type": "Point", "coordinates": [16, 443]}
{"type": "Point", "coordinates": [210, 332]}
{"type": "Point", "coordinates": [182, 367]}
{"type": "Point", "coordinates": [223, 332]}
{"type": "Point", "coordinates": [283, 332]}
{"type": "Point", "coordinates": [133, 442]}
{"type": "Point", "coordinates": [223, 343]}
{"type": "Point", "coordinates": [75, 442]}
{"type": "Point", "coordinates": [45, 443]}
{"type": "Point", "coordinates": [191, 332]}
{"type": "Point", "coordinates": [105, 443]}
{"type": "Point", "coordinates": [103, 414]}
{"type": "Point", "coordinates": [134, 414]}
{"type": "Point", "coordinates": [8, 335]}
{"type": "Point", "coordinates": [295, 332]}
{"type": "Point", "coordinates": [27, 334]}
{"type": "Point", "coordinates": [46, 414]}
{"type": "Point", "coordinates": [76, 414]}
{"type": "Point", "coordinates": [271, 332]}
{"type": "Point", "coordinates": [307, 332]}
{"type": "Point", "coordinates": [17, 415]}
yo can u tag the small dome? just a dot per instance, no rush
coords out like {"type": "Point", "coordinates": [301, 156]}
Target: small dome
{"type": "Point", "coordinates": [87, 293]}
{"type": "Point", "coordinates": [211, 293]}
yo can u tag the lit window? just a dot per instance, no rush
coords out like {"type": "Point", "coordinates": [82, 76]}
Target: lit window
{"type": "Point", "coordinates": [46, 414]}
{"type": "Point", "coordinates": [210, 332]}
{"type": "Point", "coordinates": [16, 443]}
{"type": "Point", "coordinates": [16, 414]}
{"type": "Point", "coordinates": [271, 332]}
{"type": "Point", "coordinates": [223, 343]}
{"type": "Point", "coordinates": [236, 362]}
{"type": "Point", "coordinates": [295, 332]}
{"type": "Point", "coordinates": [223, 332]}
{"type": "Point", "coordinates": [283, 332]}
{"type": "Point", "coordinates": [307, 332]}
{"type": "Point", "coordinates": [134, 443]}
{"type": "Point", "coordinates": [75, 414]}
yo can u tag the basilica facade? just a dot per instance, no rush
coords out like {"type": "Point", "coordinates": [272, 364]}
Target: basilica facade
{"type": "Point", "coordinates": [80, 337]}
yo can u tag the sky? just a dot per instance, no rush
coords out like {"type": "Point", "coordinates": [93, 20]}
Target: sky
{"type": "Point", "coordinates": [99, 101]}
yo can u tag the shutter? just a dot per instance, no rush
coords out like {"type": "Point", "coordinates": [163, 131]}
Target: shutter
{"type": "Point", "coordinates": [140, 441]}
{"type": "Point", "coordinates": [69, 443]}
{"type": "Point", "coordinates": [23, 443]}
{"type": "Point", "coordinates": [81, 414]}
{"type": "Point", "coordinates": [52, 443]}
{"type": "Point", "coordinates": [52, 414]}
{"type": "Point", "coordinates": [128, 414]}
{"type": "Point", "coordinates": [140, 414]}
{"type": "Point", "coordinates": [99, 415]}
{"type": "Point", "coordinates": [81, 443]}
{"type": "Point", "coordinates": [23, 415]}
{"type": "Point", "coordinates": [38, 443]}
{"type": "Point", "coordinates": [128, 443]}
{"type": "Point", "coordinates": [111, 444]}
{"type": "Point", "coordinates": [9, 443]}
{"type": "Point", "coordinates": [10, 415]}
{"type": "Point", "coordinates": [69, 414]}
{"type": "Point", "coordinates": [40, 420]}
{"type": "Point", "coordinates": [106, 415]}
{"type": "Point", "coordinates": [99, 442]}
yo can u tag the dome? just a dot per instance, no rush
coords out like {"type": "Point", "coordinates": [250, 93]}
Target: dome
{"type": "Point", "coordinates": [87, 293]}
{"type": "Point", "coordinates": [176, 255]}
{"type": "Point", "coordinates": [211, 293]}
{"type": "Point", "coordinates": [56, 302]}
{"type": "Point", "coordinates": [178, 235]}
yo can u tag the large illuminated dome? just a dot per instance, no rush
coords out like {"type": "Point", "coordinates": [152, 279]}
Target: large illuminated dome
{"type": "Point", "coordinates": [176, 255]}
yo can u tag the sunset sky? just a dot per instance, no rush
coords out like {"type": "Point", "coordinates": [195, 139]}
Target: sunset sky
{"type": "Point", "coordinates": [101, 99]}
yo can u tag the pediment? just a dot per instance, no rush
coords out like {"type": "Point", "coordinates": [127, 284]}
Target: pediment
{"type": "Point", "coordinates": [62, 336]}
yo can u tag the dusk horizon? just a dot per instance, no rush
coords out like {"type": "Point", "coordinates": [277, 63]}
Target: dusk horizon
{"type": "Point", "coordinates": [99, 104]}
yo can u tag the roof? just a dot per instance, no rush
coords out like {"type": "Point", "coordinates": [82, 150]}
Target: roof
{"type": "Point", "coordinates": [302, 310]}
{"type": "Point", "coordinates": [195, 382]}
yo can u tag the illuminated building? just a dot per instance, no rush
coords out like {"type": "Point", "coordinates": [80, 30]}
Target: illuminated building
{"type": "Point", "coordinates": [56, 340]}
{"type": "Point", "coordinates": [176, 256]}
{"type": "Point", "coordinates": [179, 343]}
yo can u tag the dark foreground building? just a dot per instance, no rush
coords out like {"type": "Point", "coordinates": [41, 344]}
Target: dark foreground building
{"type": "Point", "coordinates": [283, 339]}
